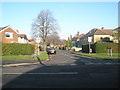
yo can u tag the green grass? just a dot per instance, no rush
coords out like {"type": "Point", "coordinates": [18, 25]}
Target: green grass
{"type": "Point", "coordinates": [101, 55]}
{"type": "Point", "coordinates": [15, 57]}
{"type": "Point", "coordinates": [42, 56]}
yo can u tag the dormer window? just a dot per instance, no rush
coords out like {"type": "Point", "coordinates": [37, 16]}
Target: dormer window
{"type": "Point", "coordinates": [9, 35]}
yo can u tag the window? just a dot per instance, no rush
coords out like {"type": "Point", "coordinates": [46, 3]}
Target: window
{"type": "Point", "coordinates": [9, 35]}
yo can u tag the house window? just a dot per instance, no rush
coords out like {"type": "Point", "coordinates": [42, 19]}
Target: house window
{"type": "Point", "coordinates": [9, 35]}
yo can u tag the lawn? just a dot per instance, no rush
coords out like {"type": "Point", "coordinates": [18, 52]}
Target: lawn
{"type": "Point", "coordinates": [42, 56]}
{"type": "Point", "coordinates": [100, 55]}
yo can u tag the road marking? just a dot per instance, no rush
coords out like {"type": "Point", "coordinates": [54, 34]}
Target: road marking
{"type": "Point", "coordinates": [10, 65]}
{"type": "Point", "coordinates": [57, 73]}
{"type": "Point", "coordinates": [100, 63]}
{"type": "Point", "coordinates": [73, 64]}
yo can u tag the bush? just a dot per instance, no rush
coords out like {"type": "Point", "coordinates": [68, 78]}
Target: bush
{"type": "Point", "coordinates": [101, 48]}
{"type": "Point", "coordinates": [85, 48]}
{"type": "Point", "coordinates": [17, 49]}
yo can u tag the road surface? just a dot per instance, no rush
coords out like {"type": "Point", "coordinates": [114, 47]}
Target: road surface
{"type": "Point", "coordinates": [65, 70]}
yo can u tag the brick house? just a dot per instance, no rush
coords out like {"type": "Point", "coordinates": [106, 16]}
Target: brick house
{"type": "Point", "coordinates": [8, 35]}
{"type": "Point", "coordinates": [22, 38]}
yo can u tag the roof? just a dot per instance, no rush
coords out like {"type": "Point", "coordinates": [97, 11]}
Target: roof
{"type": "Point", "coordinates": [6, 27]}
{"type": "Point", "coordinates": [22, 35]}
{"type": "Point", "coordinates": [74, 38]}
{"type": "Point", "coordinates": [1, 28]}
{"type": "Point", "coordinates": [104, 32]}
{"type": "Point", "coordinates": [117, 29]}
{"type": "Point", "coordinates": [80, 36]}
{"type": "Point", "coordinates": [99, 32]}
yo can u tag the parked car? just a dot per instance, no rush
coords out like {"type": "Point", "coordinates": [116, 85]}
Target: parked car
{"type": "Point", "coordinates": [51, 50]}
{"type": "Point", "coordinates": [76, 48]}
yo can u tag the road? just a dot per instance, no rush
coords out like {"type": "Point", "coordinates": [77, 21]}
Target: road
{"type": "Point", "coordinates": [65, 70]}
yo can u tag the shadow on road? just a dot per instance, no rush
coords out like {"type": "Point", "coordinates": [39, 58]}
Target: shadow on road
{"type": "Point", "coordinates": [77, 75]}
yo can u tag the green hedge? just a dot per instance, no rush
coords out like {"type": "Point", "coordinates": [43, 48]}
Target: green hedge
{"type": "Point", "coordinates": [101, 48]}
{"type": "Point", "coordinates": [85, 48]}
{"type": "Point", "coordinates": [17, 49]}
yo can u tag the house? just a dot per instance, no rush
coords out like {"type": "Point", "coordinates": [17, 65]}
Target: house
{"type": "Point", "coordinates": [8, 35]}
{"type": "Point", "coordinates": [116, 35]}
{"type": "Point", "coordinates": [76, 39]}
{"type": "Point", "coordinates": [97, 35]}
{"type": "Point", "coordinates": [22, 38]}
{"type": "Point", "coordinates": [31, 41]}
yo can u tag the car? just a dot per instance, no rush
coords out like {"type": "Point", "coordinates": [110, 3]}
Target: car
{"type": "Point", "coordinates": [76, 48]}
{"type": "Point", "coordinates": [51, 51]}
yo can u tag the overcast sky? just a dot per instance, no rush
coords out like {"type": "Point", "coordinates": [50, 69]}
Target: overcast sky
{"type": "Point", "coordinates": [71, 16]}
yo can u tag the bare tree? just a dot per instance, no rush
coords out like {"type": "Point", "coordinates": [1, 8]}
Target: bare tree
{"type": "Point", "coordinates": [44, 25]}
{"type": "Point", "coordinates": [53, 38]}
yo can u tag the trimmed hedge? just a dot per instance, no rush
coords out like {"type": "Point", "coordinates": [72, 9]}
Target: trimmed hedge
{"type": "Point", "coordinates": [17, 49]}
{"type": "Point", "coordinates": [85, 48]}
{"type": "Point", "coordinates": [101, 48]}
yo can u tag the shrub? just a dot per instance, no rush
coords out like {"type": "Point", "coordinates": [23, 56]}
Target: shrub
{"type": "Point", "coordinates": [17, 49]}
{"type": "Point", "coordinates": [85, 48]}
{"type": "Point", "coordinates": [101, 48]}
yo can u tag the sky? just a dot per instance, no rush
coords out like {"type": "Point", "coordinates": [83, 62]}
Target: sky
{"type": "Point", "coordinates": [71, 16]}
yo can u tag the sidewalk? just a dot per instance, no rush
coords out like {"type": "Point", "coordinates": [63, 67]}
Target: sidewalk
{"type": "Point", "coordinates": [8, 63]}
{"type": "Point", "coordinates": [27, 61]}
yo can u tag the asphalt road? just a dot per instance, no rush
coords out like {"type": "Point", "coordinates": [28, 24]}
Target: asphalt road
{"type": "Point", "coordinates": [65, 70]}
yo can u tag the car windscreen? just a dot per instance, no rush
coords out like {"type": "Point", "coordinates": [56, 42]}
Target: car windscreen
{"type": "Point", "coordinates": [50, 49]}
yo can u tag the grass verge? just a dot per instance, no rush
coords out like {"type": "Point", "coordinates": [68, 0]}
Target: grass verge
{"type": "Point", "coordinates": [42, 56]}
{"type": "Point", "coordinates": [15, 57]}
{"type": "Point", "coordinates": [101, 55]}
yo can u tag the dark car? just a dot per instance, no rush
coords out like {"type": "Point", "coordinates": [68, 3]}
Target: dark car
{"type": "Point", "coordinates": [51, 51]}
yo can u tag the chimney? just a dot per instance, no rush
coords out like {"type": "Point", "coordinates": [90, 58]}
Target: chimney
{"type": "Point", "coordinates": [17, 31]}
{"type": "Point", "coordinates": [78, 33]}
{"type": "Point", "coordinates": [102, 28]}
{"type": "Point", "coordinates": [70, 37]}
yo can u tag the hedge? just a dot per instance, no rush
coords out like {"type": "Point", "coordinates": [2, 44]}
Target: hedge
{"type": "Point", "coordinates": [17, 49]}
{"type": "Point", "coordinates": [101, 48]}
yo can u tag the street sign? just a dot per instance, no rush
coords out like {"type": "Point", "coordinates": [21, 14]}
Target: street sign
{"type": "Point", "coordinates": [89, 39]}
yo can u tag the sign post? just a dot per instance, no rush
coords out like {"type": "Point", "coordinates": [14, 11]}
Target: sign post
{"type": "Point", "coordinates": [38, 41]}
{"type": "Point", "coordinates": [109, 51]}
{"type": "Point", "coordinates": [89, 40]}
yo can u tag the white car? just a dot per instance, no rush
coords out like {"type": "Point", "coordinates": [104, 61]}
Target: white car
{"type": "Point", "coordinates": [76, 48]}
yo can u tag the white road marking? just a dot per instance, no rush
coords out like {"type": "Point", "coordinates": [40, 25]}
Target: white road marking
{"type": "Point", "coordinates": [73, 64]}
{"type": "Point", "coordinates": [59, 73]}
{"type": "Point", "coordinates": [100, 63]}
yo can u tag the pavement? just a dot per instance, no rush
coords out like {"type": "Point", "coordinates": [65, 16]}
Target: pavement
{"type": "Point", "coordinates": [9, 63]}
